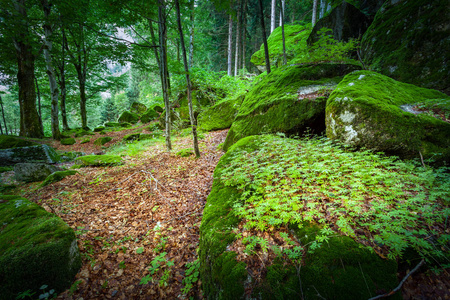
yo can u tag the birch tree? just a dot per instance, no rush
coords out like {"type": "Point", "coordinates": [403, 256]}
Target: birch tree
{"type": "Point", "coordinates": [263, 28]}
{"type": "Point", "coordinates": [273, 14]}
{"type": "Point", "coordinates": [230, 44]}
{"type": "Point", "coordinates": [314, 13]}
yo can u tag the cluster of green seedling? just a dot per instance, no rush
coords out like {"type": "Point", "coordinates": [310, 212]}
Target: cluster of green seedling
{"type": "Point", "coordinates": [396, 203]}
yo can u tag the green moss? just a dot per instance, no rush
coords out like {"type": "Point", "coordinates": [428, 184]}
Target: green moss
{"type": "Point", "coordinates": [128, 117]}
{"type": "Point", "coordinates": [273, 105]}
{"type": "Point", "coordinates": [295, 35]}
{"type": "Point", "coordinates": [99, 160]}
{"type": "Point", "coordinates": [138, 108]}
{"type": "Point", "coordinates": [103, 140]}
{"type": "Point", "coordinates": [157, 108]}
{"type": "Point", "coordinates": [409, 42]}
{"type": "Point", "coordinates": [85, 140]}
{"type": "Point", "coordinates": [6, 169]}
{"type": "Point", "coordinates": [57, 176]}
{"type": "Point", "coordinates": [149, 115]}
{"type": "Point", "coordinates": [112, 124]}
{"type": "Point", "coordinates": [36, 248]}
{"type": "Point", "coordinates": [220, 115]}
{"type": "Point", "coordinates": [125, 125]}
{"type": "Point", "coordinates": [68, 141]}
{"type": "Point", "coordinates": [185, 152]}
{"type": "Point", "coordinates": [365, 110]}
{"type": "Point", "coordinates": [7, 141]}
{"type": "Point", "coordinates": [83, 132]}
{"type": "Point", "coordinates": [99, 128]}
{"type": "Point", "coordinates": [131, 137]}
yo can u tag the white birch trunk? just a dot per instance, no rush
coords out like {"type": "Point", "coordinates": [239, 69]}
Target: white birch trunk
{"type": "Point", "coordinates": [230, 45]}
{"type": "Point", "coordinates": [273, 17]}
{"type": "Point", "coordinates": [314, 13]}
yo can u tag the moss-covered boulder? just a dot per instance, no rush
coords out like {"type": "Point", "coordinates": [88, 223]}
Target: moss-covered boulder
{"type": "Point", "coordinates": [128, 117]}
{"type": "Point", "coordinates": [36, 154]}
{"type": "Point", "coordinates": [409, 41]}
{"type": "Point", "coordinates": [57, 176]}
{"type": "Point", "coordinates": [346, 22]}
{"type": "Point", "coordinates": [340, 269]}
{"type": "Point", "coordinates": [68, 141]}
{"type": "Point", "coordinates": [220, 115]}
{"type": "Point", "coordinates": [81, 132]}
{"type": "Point", "coordinates": [131, 137]}
{"type": "Point", "coordinates": [8, 141]}
{"type": "Point", "coordinates": [158, 108]}
{"type": "Point", "coordinates": [295, 35]}
{"type": "Point", "coordinates": [103, 140]}
{"type": "Point", "coordinates": [370, 110]}
{"type": "Point", "coordinates": [149, 115]}
{"type": "Point", "coordinates": [85, 140]}
{"type": "Point", "coordinates": [99, 160]}
{"type": "Point", "coordinates": [289, 100]}
{"type": "Point", "coordinates": [36, 248]}
{"type": "Point", "coordinates": [31, 172]}
{"type": "Point", "coordinates": [138, 108]}
{"type": "Point", "coordinates": [112, 124]}
{"type": "Point", "coordinates": [99, 128]}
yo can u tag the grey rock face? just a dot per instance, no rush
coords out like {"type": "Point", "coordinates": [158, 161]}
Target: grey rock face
{"type": "Point", "coordinates": [30, 172]}
{"type": "Point", "coordinates": [40, 153]}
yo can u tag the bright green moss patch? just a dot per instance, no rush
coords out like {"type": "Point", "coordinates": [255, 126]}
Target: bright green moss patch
{"type": "Point", "coordinates": [149, 115]}
{"type": "Point", "coordinates": [36, 248]}
{"type": "Point", "coordinates": [131, 137]}
{"type": "Point", "coordinates": [103, 140]}
{"type": "Point", "coordinates": [112, 124]}
{"type": "Point", "coordinates": [85, 140]}
{"type": "Point", "coordinates": [371, 110]}
{"type": "Point", "coordinates": [7, 141]}
{"type": "Point", "coordinates": [57, 176]}
{"type": "Point", "coordinates": [99, 128]}
{"type": "Point", "coordinates": [128, 117]}
{"type": "Point", "coordinates": [287, 100]}
{"type": "Point", "coordinates": [68, 141]}
{"type": "Point", "coordinates": [185, 152]}
{"type": "Point", "coordinates": [99, 160]}
{"type": "Point", "coordinates": [220, 115]}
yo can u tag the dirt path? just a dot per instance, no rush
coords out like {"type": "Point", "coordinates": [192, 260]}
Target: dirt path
{"type": "Point", "coordinates": [127, 216]}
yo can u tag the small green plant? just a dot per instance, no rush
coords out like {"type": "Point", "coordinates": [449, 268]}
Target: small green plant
{"type": "Point", "coordinates": [160, 262]}
{"type": "Point", "coordinates": [74, 287]}
{"type": "Point", "coordinates": [47, 295]}
{"type": "Point", "coordinates": [191, 276]}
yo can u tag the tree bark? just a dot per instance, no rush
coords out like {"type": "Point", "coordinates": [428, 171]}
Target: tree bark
{"type": "Point", "coordinates": [191, 37]}
{"type": "Point", "coordinates": [283, 2]}
{"type": "Point", "coordinates": [230, 46]}
{"type": "Point", "coordinates": [50, 71]}
{"type": "Point", "coordinates": [163, 56]}
{"type": "Point", "coordinates": [244, 31]}
{"type": "Point", "coordinates": [236, 57]}
{"type": "Point", "coordinates": [3, 115]}
{"type": "Point", "coordinates": [273, 16]}
{"type": "Point", "coordinates": [62, 82]}
{"type": "Point", "coordinates": [282, 30]}
{"type": "Point", "coordinates": [314, 13]}
{"type": "Point", "coordinates": [39, 102]}
{"type": "Point", "coordinates": [263, 28]}
{"type": "Point", "coordinates": [188, 81]}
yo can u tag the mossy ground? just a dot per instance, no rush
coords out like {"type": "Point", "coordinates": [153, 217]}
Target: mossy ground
{"type": "Point", "coordinates": [36, 248]}
{"type": "Point", "coordinates": [128, 117]}
{"type": "Point", "coordinates": [364, 111]}
{"type": "Point", "coordinates": [57, 176]}
{"type": "Point", "coordinates": [220, 115]}
{"type": "Point", "coordinates": [273, 105]}
{"type": "Point", "coordinates": [68, 141]}
{"type": "Point", "coordinates": [7, 141]}
{"type": "Point", "coordinates": [103, 140]}
{"type": "Point", "coordinates": [185, 152]}
{"type": "Point", "coordinates": [99, 160]}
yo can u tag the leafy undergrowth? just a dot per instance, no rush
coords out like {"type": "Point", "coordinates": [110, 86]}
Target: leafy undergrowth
{"type": "Point", "coordinates": [137, 224]}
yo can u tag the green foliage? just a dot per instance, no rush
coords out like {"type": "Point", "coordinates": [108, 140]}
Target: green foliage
{"type": "Point", "coordinates": [396, 202]}
{"type": "Point", "coordinates": [68, 141]}
{"type": "Point", "coordinates": [185, 152]}
{"type": "Point", "coordinates": [103, 140]}
{"type": "Point", "coordinates": [128, 117]}
{"type": "Point", "coordinates": [191, 276]}
{"type": "Point", "coordinates": [99, 160]}
{"type": "Point", "coordinates": [135, 148]}
{"type": "Point", "coordinates": [57, 176]}
{"type": "Point", "coordinates": [7, 141]}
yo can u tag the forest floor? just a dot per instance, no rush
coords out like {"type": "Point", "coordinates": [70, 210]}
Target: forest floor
{"type": "Point", "coordinates": [147, 213]}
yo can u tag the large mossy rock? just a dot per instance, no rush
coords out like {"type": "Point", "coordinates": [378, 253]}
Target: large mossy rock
{"type": "Point", "coordinates": [295, 36]}
{"type": "Point", "coordinates": [220, 115]}
{"type": "Point", "coordinates": [369, 110]}
{"type": "Point", "coordinates": [103, 140]}
{"type": "Point", "coordinates": [36, 248]}
{"type": "Point", "coordinates": [99, 160]}
{"type": "Point", "coordinates": [341, 269]}
{"type": "Point", "coordinates": [31, 172]}
{"type": "Point", "coordinates": [138, 108]}
{"type": "Point", "coordinates": [345, 20]}
{"type": "Point", "coordinates": [289, 100]}
{"type": "Point", "coordinates": [68, 141]}
{"type": "Point", "coordinates": [8, 141]}
{"type": "Point", "coordinates": [35, 154]}
{"type": "Point", "coordinates": [409, 41]}
{"type": "Point", "coordinates": [57, 176]}
{"type": "Point", "coordinates": [128, 117]}
{"type": "Point", "coordinates": [149, 115]}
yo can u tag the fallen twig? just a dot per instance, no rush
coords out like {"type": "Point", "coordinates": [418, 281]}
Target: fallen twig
{"type": "Point", "coordinates": [401, 283]}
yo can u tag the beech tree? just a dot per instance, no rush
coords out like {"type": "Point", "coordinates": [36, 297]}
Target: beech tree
{"type": "Point", "coordinates": [263, 29]}
{"type": "Point", "coordinates": [230, 44]}
{"type": "Point", "coordinates": [273, 14]}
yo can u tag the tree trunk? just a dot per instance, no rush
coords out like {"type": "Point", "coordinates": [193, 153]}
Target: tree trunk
{"type": "Point", "coordinates": [163, 66]}
{"type": "Point", "coordinates": [191, 37]}
{"type": "Point", "coordinates": [314, 13]}
{"type": "Point", "coordinates": [273, 16]}
{"type": "Point", "coordinates": [188, 81]}
{"type": "Point", "coordinates": [236, 57]}
{"type": "Point", "coordinates": [282, 32]}
{"type": "Point", "coordinates": [230, 42]}
{"type": "Point", "coordinates": [323, 5]}
{"type": "Point", "coordinates": [283, 2]}
{"type": "Point", "coordinates": [62, 83]}
{"type": "Point", "coordinates": [263, 28]}
{"type": "Point", "coordinates": [83, 112]}
{"type": "Point", "coordinates": [50, 71]}
{"type": "Point", "coordinates": [244, 31]}
{"type": "Point", "coordinates": [152, 34]}
{"type": "Point", "coordinates": [3, 115]}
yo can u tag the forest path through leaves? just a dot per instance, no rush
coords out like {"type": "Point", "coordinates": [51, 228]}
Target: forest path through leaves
{"type": "Point", "coordinates": [126, 217]}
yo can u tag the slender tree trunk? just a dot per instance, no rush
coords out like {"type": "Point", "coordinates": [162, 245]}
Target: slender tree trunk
{"type": "Point", "coordinates": [152, 34]}
{"type": "Point", "coordinates": [83, 112]}
{"type": "Point", "coordinates": [322, 8]}
{"type": "Point", "coordinates": [230, 44]}
{"type": "Point", "coordinates": [244, 33]}
{"type": "Point", "coordinates": [163, 65]}
{"type": "Point", "coordinates": [282, 32]}
{"type": "Point", "coordinates": [1, 129]}
{"type": "Point", "coordinates": [283, 2]}
{"type": "Point", "coordinates": [273, 16]}
{"type": "Point", "coordinates": [3, 115]}
{"type": "Point", "coordinates": [314, 13]}
{"type": "Point", "coordinates": [191, 37]}
{"type": "Point", "coordinates": [238, 44]}
{"type": "Point", "coordinates": [263, 28]}
{"type": "Point", "coordinates": [188, 81]}
{"type": "Point", "coordinates": [62, 84]}
{"type": "Point", "coordinates": [50, 71]}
